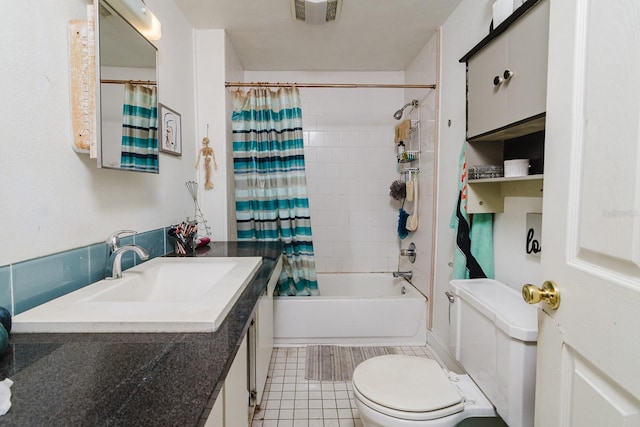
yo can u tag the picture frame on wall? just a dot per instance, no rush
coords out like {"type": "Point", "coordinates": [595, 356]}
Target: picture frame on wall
{"type": "Point", "coordinates": [169, 130]}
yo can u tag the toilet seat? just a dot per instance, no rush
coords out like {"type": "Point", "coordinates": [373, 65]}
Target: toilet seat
{"type": "Point", "coordinates": [406, 387]}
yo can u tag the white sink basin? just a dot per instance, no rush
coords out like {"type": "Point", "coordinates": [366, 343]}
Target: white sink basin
{"type": "Point", "coordinates": [161, 295]}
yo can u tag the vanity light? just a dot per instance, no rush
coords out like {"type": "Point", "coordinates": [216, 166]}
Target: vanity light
{"type": "Point", "coordinates": [140, 16]}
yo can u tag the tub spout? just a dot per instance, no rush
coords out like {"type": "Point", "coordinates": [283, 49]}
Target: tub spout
{"type": "Point", "coordinates": [405, 274]}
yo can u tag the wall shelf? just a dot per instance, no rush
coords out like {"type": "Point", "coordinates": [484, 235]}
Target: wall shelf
{"type": "Point", "coordinates": [506, 179]}
{"type": "Point", "coordinates": [487, 195]}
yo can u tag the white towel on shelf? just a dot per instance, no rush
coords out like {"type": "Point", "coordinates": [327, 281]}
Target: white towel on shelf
{"type": "Point", "coordinates": [5, 395]}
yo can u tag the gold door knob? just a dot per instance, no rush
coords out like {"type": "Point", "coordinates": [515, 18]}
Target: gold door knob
{"type": "Point", "coordinates": [549, 293]}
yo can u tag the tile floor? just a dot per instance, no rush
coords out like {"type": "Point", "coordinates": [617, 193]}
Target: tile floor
{"type": "Point", "coordinates": [290, 400]}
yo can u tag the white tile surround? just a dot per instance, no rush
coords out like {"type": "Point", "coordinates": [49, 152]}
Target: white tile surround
{"type": "Point", "coordinates": [290, 400]}
{"type": "Point", "coordinates": [354, 224]}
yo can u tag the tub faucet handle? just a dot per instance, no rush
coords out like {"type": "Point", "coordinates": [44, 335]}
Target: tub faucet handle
{"type": "Point", "coordinates": [409, 252]}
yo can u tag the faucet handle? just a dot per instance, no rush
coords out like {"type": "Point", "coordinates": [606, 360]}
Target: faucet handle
{"type": "Point", "coordinates": [114, 238]}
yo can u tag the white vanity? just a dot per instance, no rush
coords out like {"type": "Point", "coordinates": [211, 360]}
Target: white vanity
{"type": "Point", "coordinates": [250, 366]}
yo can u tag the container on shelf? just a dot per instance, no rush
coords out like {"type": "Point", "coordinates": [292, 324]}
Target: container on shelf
{"type": "Point", "coordinates": [516, 167]}
{"type": "Point", "coordinates": [485, 171]}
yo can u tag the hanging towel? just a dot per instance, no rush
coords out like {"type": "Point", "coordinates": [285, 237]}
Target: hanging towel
{"type": "Point", "coordinates": [482, 241]}
{"type": "Point", "coordinates": [402, 131]}
{"type": "Point", "coordinates": [473, 257]}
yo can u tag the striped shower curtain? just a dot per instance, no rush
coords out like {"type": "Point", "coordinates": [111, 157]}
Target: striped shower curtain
{"type": "Point", "coordinates": [140, 129]}
{"type": "Point", "coordinates": [270, 181]}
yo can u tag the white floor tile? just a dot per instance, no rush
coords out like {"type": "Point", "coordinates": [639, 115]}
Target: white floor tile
{"type": "Point", "coordinates": [291, 400]}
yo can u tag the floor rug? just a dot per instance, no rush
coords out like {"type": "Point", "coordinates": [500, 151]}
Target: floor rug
{"type": "Point", "coordinates": [336, 363]}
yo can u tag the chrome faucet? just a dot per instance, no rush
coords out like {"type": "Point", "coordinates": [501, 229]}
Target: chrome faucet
{"type": "Point", "coordinates": [114, 262]}
{"type": "Point", "coordinates": [405, 274]}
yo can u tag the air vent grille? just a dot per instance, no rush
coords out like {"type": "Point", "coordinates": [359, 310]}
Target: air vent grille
{"type": "Point", "coordinates": [299, 9]}
{"type": "Point", "coordinates": [332, 10]}
{"type": "Point", "coordinates": [315, 12]}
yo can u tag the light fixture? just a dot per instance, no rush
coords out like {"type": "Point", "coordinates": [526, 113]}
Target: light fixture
{"type": "Point", "coordinates": [315, 11]}
{"type": "Point", "coordinates": [140, 16]}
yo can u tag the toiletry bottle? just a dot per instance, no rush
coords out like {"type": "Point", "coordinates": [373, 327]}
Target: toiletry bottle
{"type": "Point", "coordinates": [400, 149]}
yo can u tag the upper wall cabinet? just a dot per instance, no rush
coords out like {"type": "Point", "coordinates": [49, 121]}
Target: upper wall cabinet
{"type": "Point", "coordinates": [507, 76]}
{"type": "Point", "coordinates": [506, 105]}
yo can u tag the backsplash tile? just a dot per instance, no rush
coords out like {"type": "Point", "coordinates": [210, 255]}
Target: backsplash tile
{"type": "Point", "coordinates": [97, 261]}
{"type": "Point", "coordinates": [5, 287]}
{"type": "Point", "coordinates": [39, 280]}
{"type": "Point", "coordinates": [152, 241]}
{"type": "Point", "coordinates": [43, 279]}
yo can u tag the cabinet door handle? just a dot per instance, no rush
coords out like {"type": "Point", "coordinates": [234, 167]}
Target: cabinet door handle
{"type": "Point", "coordinates": [497, 80]}
{"type": "Point", "coordinates": [507, 74]}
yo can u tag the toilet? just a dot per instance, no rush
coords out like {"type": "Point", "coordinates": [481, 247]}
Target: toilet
{"type": "Point", "coordinates": [493, 335]}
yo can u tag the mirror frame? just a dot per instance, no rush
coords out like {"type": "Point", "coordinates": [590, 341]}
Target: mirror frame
{"type": "Point", "coordinates": [98, 103]}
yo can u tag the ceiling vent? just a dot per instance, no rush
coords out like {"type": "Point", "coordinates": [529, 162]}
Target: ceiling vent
{"type": "Point", "coordinates": [315, 11]}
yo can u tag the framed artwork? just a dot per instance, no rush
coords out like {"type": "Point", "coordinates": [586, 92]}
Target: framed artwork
{"type": "Point", "coordinates": [170, 130]}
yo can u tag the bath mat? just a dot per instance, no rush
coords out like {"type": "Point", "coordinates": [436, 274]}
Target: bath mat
{"type": "Point", "coordinates": [336, 363]}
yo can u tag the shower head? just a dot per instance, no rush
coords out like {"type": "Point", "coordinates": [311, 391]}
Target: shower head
{"type": "Point", "coordinates": [398, 114]}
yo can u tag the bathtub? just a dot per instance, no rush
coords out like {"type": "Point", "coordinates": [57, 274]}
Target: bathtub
{"type": "Point", "coordinates": [353, 308]}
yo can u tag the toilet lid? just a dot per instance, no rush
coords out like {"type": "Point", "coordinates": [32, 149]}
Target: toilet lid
{"type": "Point", "coordinates": [407, 384]}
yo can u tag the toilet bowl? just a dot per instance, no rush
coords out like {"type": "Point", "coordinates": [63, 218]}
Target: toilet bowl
{"type": "Point", "coordinates": [411, 391]}
{"type": "Point", "coordinates": [493, 335]}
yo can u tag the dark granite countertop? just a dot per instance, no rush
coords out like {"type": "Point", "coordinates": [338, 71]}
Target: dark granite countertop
{"type": "Point", "coordinates": [131, 379]}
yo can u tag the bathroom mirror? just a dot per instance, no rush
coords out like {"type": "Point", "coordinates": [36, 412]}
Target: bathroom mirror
{"type": "Point", "coordinates": [127, 103]}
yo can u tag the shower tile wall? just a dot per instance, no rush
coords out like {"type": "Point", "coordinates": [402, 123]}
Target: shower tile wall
{"type": "Point", "coordinates": [354, 223]}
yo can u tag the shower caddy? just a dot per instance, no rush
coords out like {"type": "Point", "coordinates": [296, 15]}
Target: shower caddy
{"type": "Point", "coordinates": [406, 160]}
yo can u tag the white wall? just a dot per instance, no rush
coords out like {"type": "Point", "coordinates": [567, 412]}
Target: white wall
{"type": "Point", "coordinates": [51, 198]}
{"type": "Point", "coordinates": [234, 72]}
{"type": "Point", "coordinates": [350, 158]}
{"type": "Point", "coordinates": [213, 53]}
{"type": "Point", "coordinates": [466, 26]}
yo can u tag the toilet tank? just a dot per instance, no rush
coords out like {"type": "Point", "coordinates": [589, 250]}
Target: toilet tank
{"type": "Point", "coordinates": [493, 334]}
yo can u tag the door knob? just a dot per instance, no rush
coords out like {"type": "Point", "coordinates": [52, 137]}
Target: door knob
{"type": "Point", "coordinates": [549, 293]}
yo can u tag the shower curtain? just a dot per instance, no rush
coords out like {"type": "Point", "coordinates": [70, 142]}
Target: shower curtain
{"type": "Point", "coordinates": [140, 129]}
{"type": "Point", "coordinates": [270, 181]}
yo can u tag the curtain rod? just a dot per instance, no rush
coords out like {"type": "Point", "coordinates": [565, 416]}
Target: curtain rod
{"type": "Point", "coordinates": [133, 82]}
{"type": "Point", "coordinates": [329, 85]}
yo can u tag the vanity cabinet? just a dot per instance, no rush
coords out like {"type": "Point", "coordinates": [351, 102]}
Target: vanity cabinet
{"type": "Point", "coordinates": [245, 382]}
{"type": "Point", "coordinates": [264, 337]}
{"type": "Point", "coordinates": [216, 416]}
{"type": "Point", "coordinates": [506, 105]}
{"type": "Point", "coordinates": [230, 407]}
{"type": "Point", "coordinates": [236, 395]}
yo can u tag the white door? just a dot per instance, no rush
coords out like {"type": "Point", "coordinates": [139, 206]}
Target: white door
{"type": "Point", "coordinates": [588, 371]}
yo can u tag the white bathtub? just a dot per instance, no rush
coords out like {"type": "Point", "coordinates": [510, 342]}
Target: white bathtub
{"type": "Point", "coordinates": [353, 308]}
